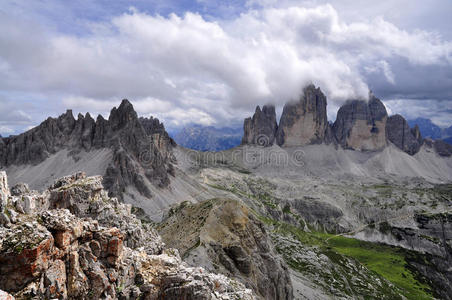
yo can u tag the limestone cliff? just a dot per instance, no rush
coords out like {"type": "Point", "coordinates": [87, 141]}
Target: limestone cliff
{"type": "Point", "coordinates": [361, 125]}
{"type": "Point", "coordinates": [261, 128]}
{"type": "Point", "coordinates": [225, 236]}
{"type": "Point", "coordinates": [401, 135]}
{"type": "Point", "coordinates": [305, 121]}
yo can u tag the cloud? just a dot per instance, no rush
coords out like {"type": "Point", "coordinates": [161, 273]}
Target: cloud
{"type": "Point", "coordinates": [6, 131]}
{"type": "Point", "coordinates": [437, 111]}
{"type": "Point", "coordinates": [192, 69]}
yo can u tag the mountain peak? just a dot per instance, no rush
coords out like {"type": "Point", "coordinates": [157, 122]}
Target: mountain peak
{"type": "Point", "coordinates": [305, 121]}
{"type": "Point", "coordinates": [122, 115]}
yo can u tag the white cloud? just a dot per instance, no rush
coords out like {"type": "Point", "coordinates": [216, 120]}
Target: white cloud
{"type": "Point", "coordinates": [5, 131]}
{"type": "Point", "coordinates": [187, 69]}
{"type": "Point", "coordinates": [437, 111]}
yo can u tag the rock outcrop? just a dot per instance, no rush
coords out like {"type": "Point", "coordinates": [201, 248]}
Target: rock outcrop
{"type": "Point", "coordinates": [4, 191]}
{"type": "Point", "coordinates": [305, 121]}
{"type": "Point", "coordinates": [401, 135]}
{"type": "Point", "coordinates": [361, 125]}
{"type": "Point", "coordinates": [261, 128]}
{"type": "Point", "coordinates": [155, 129]}
{"type": "Point", "coordinates": [141, 147]}
{"type": "Point", "coordinates": [224, 236]}
{"type": "Point", "coordinates": [442, 148]}
{"type": "Point", "coordinates": [53, 252]}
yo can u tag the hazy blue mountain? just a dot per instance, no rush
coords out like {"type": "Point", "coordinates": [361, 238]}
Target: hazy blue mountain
{"type": "Point", "coordinates": [208, 138]}
{"type": "Point", "coordinates": [447, 132]}
{"type": "Point", "coordinates": [448, 140]}
{"type": "Point", "coordinates": [427, 128]}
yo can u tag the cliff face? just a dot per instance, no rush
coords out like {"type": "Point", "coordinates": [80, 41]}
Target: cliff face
{"type": "Point", "coordinates": [141, 147]}
{"type": "Point", "coordinates": [261, 128]}
{"type": "Point", "coordinates": [305, 121]}
{"type": "Point", "coordinates": [225, 236]}
{"type": "Point", "coordinates": [401, 135]}
{"type": "Point", "coordinates": [361, 125]}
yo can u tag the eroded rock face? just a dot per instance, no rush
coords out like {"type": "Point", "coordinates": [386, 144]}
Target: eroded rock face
{"type": "Point", "coordinates": [55, 254]}
{"type": "Point", "coordinates": [223, 235]}
{"type": "Point", "coordinates": [442, 148]}
{"type": "Point", "coordinates": [85, 197]}
{"type": "Point", "coordinates": [141, 148]}
{"type": "Point", "coordinates": [401, 135]}
{"type": "Point", "coordinates": [305, 121]}
{"type": "Point", "coordinates": [261, 128]}
{"type": "Point", "coordinates": [361, 125]}
{"type": "Point", "coordinates": [4, 191]}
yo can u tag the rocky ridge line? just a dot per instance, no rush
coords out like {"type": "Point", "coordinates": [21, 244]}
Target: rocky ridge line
{"type": "Point", "coordinates": [141, 147]}
{"type": "Point", "coordinates": [360, 125]}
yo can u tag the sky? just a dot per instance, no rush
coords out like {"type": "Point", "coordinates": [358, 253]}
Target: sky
{"type": "Point", "coordinates": [212, 62]}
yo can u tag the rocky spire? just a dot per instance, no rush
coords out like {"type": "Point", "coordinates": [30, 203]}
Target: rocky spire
{"type": "Point", "coordinates": [400, 134]}
{"type": "Point", "coordinates": [261, 128]}
{"type": "Point", "coordinates": [122, 115]}
{"type": "Point", "coordinates": [361, 125]}
{"type": "Point", "coordinates": [136, 154]}
{"type": "Point", "coordinates": [305, 121]}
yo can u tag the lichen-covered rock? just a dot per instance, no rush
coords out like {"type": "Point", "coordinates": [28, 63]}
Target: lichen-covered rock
{"type": "Point", "coordinates": [400, 134]}
{"type": "Point", "coordinates": [85, 197]}
{"type": "Point", "coordinates": [305, 121]}
{"type": "Point", "coordinates": [53, 253]}
{"type": "Point", "coordinates": [55, 280]}
{"type": "Point", "coordinates": [223, 235]}
{"type": "Point", "coordinates": [20, 189]}
{"type": "Point", "coordinates": [25, 253]}
{"type": "Point", "coordinates": [361, 125]}
{"type": "Point", "coordinates": [261, 128]}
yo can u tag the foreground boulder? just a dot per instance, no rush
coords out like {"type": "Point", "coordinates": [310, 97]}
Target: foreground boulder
{"type": "Point", "coordinates": [361, 125]}
{"type": "Point", "coordinates": [305, 121]}
{"type": "Point", "coordinates": [224, 236]}
{"type": "Point", "coordinates": [261, 128]}
{"type": "Point", "coordinates": [61, 251]}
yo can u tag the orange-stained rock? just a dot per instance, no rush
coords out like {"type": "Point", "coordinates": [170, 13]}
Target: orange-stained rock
{"type": "Point", "coordinates": [19, 266]}
{"type": "Point", "coordinates": [55, 280]}
{"type": "Point", "coordinates": [63, 239]}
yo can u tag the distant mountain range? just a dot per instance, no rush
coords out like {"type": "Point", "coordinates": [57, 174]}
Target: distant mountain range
{"type": "Point", "coordinates": [431, 130]}
{"type": "Point", "coordinates": [208, 138]}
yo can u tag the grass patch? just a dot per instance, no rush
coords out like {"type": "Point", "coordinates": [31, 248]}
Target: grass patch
{"type": "Point", "coordinates": [389, 262]}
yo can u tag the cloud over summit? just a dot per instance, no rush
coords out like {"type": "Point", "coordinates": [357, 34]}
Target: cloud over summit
{"type": "Point", "coordinates": [189, 68]}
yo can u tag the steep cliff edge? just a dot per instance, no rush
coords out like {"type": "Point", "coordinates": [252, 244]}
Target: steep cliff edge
{"type": "Point", "coordinates": [261, 128]}
{"type": "Point", "coordinates": [305, 121]}
{"type": "Point", "coordinates": [400, 134]}
{"type": "Point", "coordinates": [361, 125]}
{"type": "Point", "coordinates": [224, 236]}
